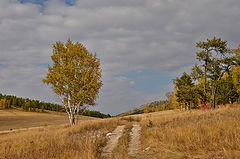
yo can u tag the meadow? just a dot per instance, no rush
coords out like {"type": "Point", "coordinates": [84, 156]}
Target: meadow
{"type": "Point", "coordinates": [167, 134]}
{"type": "Point", "coordinates": [16, 120]}
{"type": "Point", "coordinates": [192, 134]}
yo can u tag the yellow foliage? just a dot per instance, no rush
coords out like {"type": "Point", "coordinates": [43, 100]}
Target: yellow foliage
{"type": "Point", "coordinates": [173, 101]}
{"type": "Point", "coordinates": [4, 104]}
{"type": "Point", "coordinates": [146, 110]}
{"type": "Point", "coordinates": [75, 76]}
{"type": "Point", "coordinates": [236, 77]}
{"type": "Point", "coordinates": [225, 76]}
{"type": "Point", "coordinates": [153, 109]}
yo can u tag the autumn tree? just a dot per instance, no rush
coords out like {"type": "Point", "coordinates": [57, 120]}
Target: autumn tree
{"type": "Point", "coordinates": [172, 99]}
{"type": "Point", "coordinates": [75, 77]}
{"type": "Point", "coordinates": [4, 104]}
{"type": "Point", "coordinates": [216, 58]}
{"type": "Point", "coordinates": [236, 70]}
{"type": "Point", "coordinates": [147, 109]}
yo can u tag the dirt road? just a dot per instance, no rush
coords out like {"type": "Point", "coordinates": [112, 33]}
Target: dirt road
{"type": "Point", "coordinates": [134, 144]}
{"type": "Point", "coordinates": [113, 140]}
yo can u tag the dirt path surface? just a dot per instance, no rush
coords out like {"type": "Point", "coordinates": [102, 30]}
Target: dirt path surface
{"type": "Point", "coordinates": [134, 144]}
{"type": "Point", "coordinates": [3, 132]}
{"type": "Point", "coordinates": [113, 140]}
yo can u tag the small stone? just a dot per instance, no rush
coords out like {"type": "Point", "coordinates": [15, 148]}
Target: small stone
{"type": "Point", "coordinates": [146, 149]}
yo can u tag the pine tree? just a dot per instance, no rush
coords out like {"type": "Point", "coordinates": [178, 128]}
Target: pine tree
{"type": "Point", "coordinates": [217, 59]}
{"type": "Point", "coordinates": [184, 86]}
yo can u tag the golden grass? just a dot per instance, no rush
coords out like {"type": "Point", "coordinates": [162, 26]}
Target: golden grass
{"type": "Point", "coordinates": [174, 134]}
{"type": "Point", "coordinates": [121, 151]}
{"type": "Point", "coordinates": [84, 141]}
{"type": "Point", "coordinates": [15, 119]}
{"type": "Point", "coordinates": [193, 134]}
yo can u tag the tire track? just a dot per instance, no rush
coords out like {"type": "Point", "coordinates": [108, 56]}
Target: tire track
{"type": "Point", "coordinates": [134, 144]}
{"type": "Point", "coordinates": [113, 140]}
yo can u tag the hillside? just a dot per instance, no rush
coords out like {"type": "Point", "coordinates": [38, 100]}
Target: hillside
{"type": "Point", "coordinates": [166, 134]}
{"type": "Point", "coordinates": [140, 109]}
{"type": "Point", "coordinates": [13, 119]}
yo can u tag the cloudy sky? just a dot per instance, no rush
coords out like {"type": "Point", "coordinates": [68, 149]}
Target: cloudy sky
{"type": "Point", "coordinates": [142, 44]}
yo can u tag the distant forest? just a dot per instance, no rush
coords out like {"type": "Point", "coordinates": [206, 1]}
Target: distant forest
{"type": "Point", "coordinates": [26, 104]}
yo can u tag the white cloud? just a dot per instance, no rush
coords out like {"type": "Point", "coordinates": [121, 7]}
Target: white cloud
{"type": "Point", "coordinates": [127, 35]}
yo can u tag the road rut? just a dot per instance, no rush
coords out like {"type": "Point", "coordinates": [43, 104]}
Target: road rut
{"type": "Point", "coordinates": [113, 140]}
{"type": "Point", "coordinates": [134, 144]}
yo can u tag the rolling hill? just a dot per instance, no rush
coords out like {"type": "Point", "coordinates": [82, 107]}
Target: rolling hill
{"type": "Point", "coordinates": [140, 109]}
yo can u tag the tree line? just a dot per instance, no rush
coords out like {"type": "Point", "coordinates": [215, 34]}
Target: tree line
{"type": "Point", "coordinates": [214, 79]}
{"type": "Point", "coordinates": [26, 104]}
{"type": "Point", "coordinates": [157, 106]}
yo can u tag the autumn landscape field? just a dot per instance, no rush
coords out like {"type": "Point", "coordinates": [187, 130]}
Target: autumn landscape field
{"type": "Point", "coordinates": [166, 134]}
{"type": "Point", "coordinates": [119, 79]}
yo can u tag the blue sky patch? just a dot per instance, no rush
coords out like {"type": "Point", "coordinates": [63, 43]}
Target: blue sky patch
{"type": "Point", "coordinates": [45, 65]}
{"type": "Point", "coordinates": [43, 2]}
{"type": "Point", "coordinates": [39, 2]}
{"type": "Point", "coordinates": [69, 2]}
{"type": "Point", "coordinates": [148, 81]}
{"type": "Point", "coordinates": [2, 65]}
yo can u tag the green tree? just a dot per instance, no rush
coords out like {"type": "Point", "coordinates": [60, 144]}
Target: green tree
{"type": "Point", "coordinates": [75, 77]}
{"type": "Point", "coordinates": [185, 92]}
{"type": "Point", "coordinates": [27, 106]}
{"type": "Point", "coordinates": [217, 59]}
{"type": "Point", "coordinates": [14, 103]}
{"type": "Point", "coordinates": [226, 93]}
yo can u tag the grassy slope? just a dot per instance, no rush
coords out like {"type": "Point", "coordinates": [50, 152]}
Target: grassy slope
{"type": "Point", "coordinates": [174, 134]}
{"type": "Point", "coordinates": [84, 141]}
{"type": "Point", "coordinates": [138, 110]}
{"type": "Point", "coordinates": [193, 134]}
{"type": "Point", "coordinates": [15, 119]}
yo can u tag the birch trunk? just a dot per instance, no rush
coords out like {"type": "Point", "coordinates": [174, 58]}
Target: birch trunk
{"type": "Point", "coordinates": [72, 119]}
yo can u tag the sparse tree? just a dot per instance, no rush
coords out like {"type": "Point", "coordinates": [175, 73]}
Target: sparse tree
{"type": "Point", "coordinates": [217, 59]}
{"type": "Point", "coordinates": [75, 77]}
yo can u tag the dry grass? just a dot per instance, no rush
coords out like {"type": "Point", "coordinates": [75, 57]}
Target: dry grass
{"type": "Point", "coordinates": [15, 119]}
{"type": "Point", "coordinates": [84, 141]}
{"type": "Point", "coordinates": [173, 134]}
{"type": "Point", "coordinates": [121, 151]}
{"type": "Point", "coordinates": [193, 134]}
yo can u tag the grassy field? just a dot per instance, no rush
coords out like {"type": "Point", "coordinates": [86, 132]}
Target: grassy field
{"type": "Point", "coordinates": [15, 119]}
{"type": "Point", "coordinates": [192, 134]}
{"type": "Point", "coordinates": [168, 134]}
{"type": "Point", "coordinates": [84, 141]}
